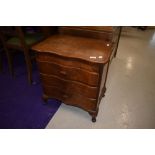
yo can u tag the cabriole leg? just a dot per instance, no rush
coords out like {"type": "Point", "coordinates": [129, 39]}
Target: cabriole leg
{"type": "Point", "coordinates": [94, 115]}
{"type": "Point", "coordinates": [93, 119]}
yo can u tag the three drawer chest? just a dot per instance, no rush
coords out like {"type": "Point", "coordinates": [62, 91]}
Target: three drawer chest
{"type": "Point", "coordinates": [74, 70]}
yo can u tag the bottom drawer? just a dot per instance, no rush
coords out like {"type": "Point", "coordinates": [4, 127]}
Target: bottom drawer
{"type": "Point", "coordinates": [85, 103]}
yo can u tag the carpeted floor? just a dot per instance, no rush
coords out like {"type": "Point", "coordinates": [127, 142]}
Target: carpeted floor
{"type": "Point", "coordinates": [21, 105]}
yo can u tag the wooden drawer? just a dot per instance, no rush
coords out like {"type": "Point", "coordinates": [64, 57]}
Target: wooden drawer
{"type": "Point", "coordinates": [71, 99]}
{"type": "Point", "coordinates": [69, 73]}
{"type": "Point", "coordinates": [69, 86]}
{"type": "Point", "coordinates": [48, 57]}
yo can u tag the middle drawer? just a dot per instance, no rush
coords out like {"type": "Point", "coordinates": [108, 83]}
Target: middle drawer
{"type": "Point", "coordinates": [69, 86]}
{"type": "Point", "coordinates": [69, 73]}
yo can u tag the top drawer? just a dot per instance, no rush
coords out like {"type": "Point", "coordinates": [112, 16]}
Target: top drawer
{"type": "Point", "coordinates": [48, 57]}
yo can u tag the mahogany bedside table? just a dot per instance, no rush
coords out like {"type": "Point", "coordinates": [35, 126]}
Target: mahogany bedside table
{"type": "Point", "coordinates": [74, 70]}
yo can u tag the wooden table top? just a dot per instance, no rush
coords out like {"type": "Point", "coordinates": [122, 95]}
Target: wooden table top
{"type": "Point", "coordinates": [109, 29]}
{"type": "Point", "coordinates": [89, 49]}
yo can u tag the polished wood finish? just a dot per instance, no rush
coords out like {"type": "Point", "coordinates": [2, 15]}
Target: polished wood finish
{"type": "Point", "coordinates": [71, 98]}
{"type": "Point", "coordinates": [71, 73]}
{"type": "Point", "coordinates": [107, 33]}
{"type": "Point", "coordinates": [69, 86]}
{"type": "Point", "coordinates": [98, 32]}
{"type": "Point", "coordinates": [90, 50]}
{"type": "Point", "coordinates": [74, 68]}
{"type": "Point", "coordinates": [56, 59]}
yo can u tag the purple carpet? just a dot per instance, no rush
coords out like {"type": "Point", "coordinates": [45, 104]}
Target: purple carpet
{"type": "Point", "coordinates": [21, 105]}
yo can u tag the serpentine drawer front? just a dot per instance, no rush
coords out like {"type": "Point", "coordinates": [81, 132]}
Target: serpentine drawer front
{"type": "Point", "coordinates": [69, 73]}
{"type": "Point", "coordinates": [73, 70]}
{"type": "Point", "coordinates": [69, 86]}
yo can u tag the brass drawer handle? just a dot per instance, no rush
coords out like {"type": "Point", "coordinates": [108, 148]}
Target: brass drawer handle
{"type": "Point", "coordinates": [63, 72]}
{"type": "Point", "coordinates": [65, 96]}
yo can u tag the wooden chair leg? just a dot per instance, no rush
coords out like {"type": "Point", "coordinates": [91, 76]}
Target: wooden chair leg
{"type": "Point", "coordinates": [29, 66]}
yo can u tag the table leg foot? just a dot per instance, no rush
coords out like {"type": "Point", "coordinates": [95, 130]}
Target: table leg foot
{"type": "Point", "coordinates": [93, 119]}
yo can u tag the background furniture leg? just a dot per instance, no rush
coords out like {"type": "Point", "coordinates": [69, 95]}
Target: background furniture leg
{"type": "Point", "coordinates": [45, 98]}
{"type": "Point", "coordinates": [118, 41]}
{"type": "Point", "coordinates": [1, 63]}
{"type": "Point", "coordinates": [10, 62]}
{"type": "Point", "coordinates": [29, 66]}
